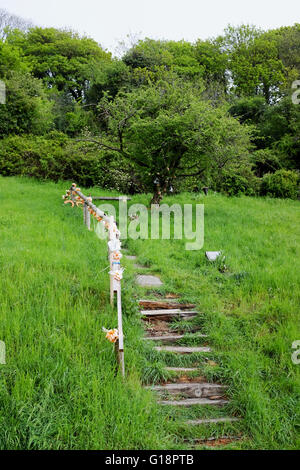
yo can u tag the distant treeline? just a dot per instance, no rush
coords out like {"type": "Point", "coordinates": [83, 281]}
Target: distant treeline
{"type": "Point", "coordinates": [167, 115]}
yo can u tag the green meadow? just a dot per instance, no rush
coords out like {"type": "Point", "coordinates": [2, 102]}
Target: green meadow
{"type": "Point", "coordinates": [60, 387]}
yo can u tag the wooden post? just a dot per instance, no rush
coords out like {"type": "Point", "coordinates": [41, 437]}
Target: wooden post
{"type": "Point", "coordinates": [88, 218]}
{"type": "Point", "coordinates": [112, 267]}
{"type": "Point", "coordinates": [84, 212]}
{"type": "Point", "coordinates": [120, 330]}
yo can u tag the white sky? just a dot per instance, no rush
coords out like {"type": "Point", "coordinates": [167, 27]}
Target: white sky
{"type": "Point", "coordinates": [108, 21]}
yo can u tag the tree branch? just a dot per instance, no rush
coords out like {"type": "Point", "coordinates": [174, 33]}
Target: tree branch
{"type": "Point", "coordinates": [115, 149]}
{"type": "Point", "coordinates": [192, 174]}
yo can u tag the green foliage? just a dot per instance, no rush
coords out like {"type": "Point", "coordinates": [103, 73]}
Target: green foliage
{"type": "Point", "coordinates": [256, 70]}
{"type": "Point", "coordinates": [107, 77]}
{"type": "Point", "coordinates": [27, 108]}
{"type": "Point", "coordinates": [163, 107]}
{"type": "Point", "coordinates": [282, 183]}
{"type": "Point", "coordinates": [178, 56]}
{"type": "Point", "coordinates": [10, 59]}
{"type": "Point", "coordinates": [265, 161]}
{"type": "Point", "coordinates": [62, 59]}
{"type": "Point", "coordinates": [287, 39]}
{"type": "Point", "coordinates": [214, 61]}
{"type": "Point", "coordinates": [249, 109]}
{"type": "Point", "coordinates": [169, 132]}
{"type": "Point", "coordinates": [238, 181]}
{"type": "Point", "coordinates": [276, 130]}
{"type": "Point", "coordinates": [56, 157]}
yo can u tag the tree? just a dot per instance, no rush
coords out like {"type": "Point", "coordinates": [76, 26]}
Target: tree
{"type": "Point", "coordinates": [9, 21]}
{"type": "Point", "coordinates": [178, 56]}
{"type": "Point", "coordinates": [10, 59]}
{"type": "Point", "coordinates": [108, 77]}
{"type": "Point", "coordinates": [287, 40]}
{"type": "Point", "coordinates": [62, 59]}
{"type": "Point", "coordinates": [169, 133]}
{"type": "Point", "coordinates": [27, 108]}
{"type": "Point", "coordinates": [236, 37]}
{"type": "Point", "coordinates": [254, 63]}
{"type": "Point", "coordinates": [213, 60]}
{"type": "Point", "coordinates": [257, 70]}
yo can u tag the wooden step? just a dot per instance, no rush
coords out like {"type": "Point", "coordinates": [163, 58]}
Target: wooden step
{"type": "Point", "coordinates": [163, 304]}
{"type": "Point", "coordinates": [164, 339]}
{"type": "Point", "coordinates": [190, 389]}
{"type": "Point", "coordinates": [194, 401]}
{"type": "Point", "coordinates": [184, 349]}
{"type": "Point", "coordinates": [199, 422]}
{"type": "Point", "coordinates": [212, 441]}
{"type": "Point", "coordinates": [182, 369]}
{"type": "Point", "coordinates": [167, 313]}
{"type": "Point", "coordinates": [167, 339]}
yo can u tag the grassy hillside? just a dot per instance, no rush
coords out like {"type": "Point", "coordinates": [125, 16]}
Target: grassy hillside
{"type": "Point", "coordinates": [59, 388]}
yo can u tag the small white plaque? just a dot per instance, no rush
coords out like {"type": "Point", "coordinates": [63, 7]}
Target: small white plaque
{"type": "Point", "coordinates": [212, 255]}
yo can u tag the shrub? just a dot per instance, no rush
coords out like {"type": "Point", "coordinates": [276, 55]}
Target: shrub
{"type": "Point", "coordinates": [282, 183]}
{"type": "Point", "coordinates": [57, 157]}
{"type": "Point", "coordinates": [235, 184]}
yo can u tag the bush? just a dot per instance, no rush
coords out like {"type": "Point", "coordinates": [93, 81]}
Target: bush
{"type": "Point", "coordinates": [235, 184]}
{"type": "Point", "coordinates": [57, 157]}
{"type": "Point", "coordinates": [27, 108]}
{"type": "Point", "coordinates": [282, 183]}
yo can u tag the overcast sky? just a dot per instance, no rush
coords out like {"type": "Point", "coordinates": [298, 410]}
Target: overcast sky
{"type": "Point", "coordinates": [108, 21]}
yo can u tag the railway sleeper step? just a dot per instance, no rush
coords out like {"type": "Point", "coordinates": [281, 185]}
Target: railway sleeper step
{"type": "Point", "coordinates": [195, 401]}
{"type": "Point", "coordinates": [190, 389]}
{"type": "Point", "coordinates": [184, 370]}
{"type": "Point", "coordinates": [184, 349]}
{"type": "Point", "coordinates": [164, 304]}
{"type": "Point", "coordinates": [223, 419]}
{"type": "Point", "coordinates": [169, 313]}
{"type": "Point", "coordinates": [170, 339]}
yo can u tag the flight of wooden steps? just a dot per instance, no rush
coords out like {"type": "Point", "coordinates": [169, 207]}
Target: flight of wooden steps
{"type": "Point", "coordinates": [186, 390]}
{"type": "Point", "coordinates": [186, 387]}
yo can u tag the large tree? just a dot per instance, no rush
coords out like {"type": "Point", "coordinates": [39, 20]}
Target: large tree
{"type": "Point", "coordinates": [287, 40]}
{"type": "Point", "coordinates": [178, 56]}
{"type": "Point", "coordinates": [253, 62]}
{"type": "Point", "coordinates": [62, 59]}
{"type": "Point", "coordinates": [169, 132]}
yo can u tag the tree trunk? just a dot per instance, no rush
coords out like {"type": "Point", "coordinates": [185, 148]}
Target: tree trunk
{"type": "Point", "coordinates": [159, 192]}
{"type": "Point", "coordinates": [157, 197]}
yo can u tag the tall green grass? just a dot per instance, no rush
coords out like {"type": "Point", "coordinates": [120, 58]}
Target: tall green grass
{"type": "Point", "coordinates": [248, 304]}
{"type": "Point", "coordinates": [60, 388]}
